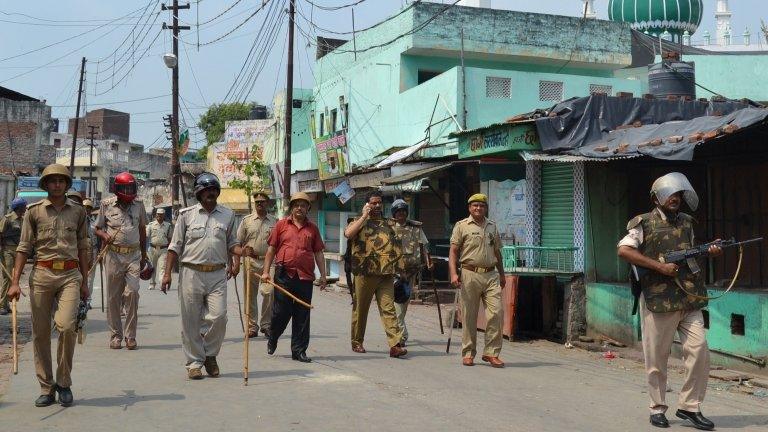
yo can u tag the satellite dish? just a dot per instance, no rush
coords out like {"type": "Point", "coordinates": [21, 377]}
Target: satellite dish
{"type": "Point", "coordinates": [170, 60]}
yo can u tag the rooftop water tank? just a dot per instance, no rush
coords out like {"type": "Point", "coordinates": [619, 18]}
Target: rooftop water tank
{"type": "Point", "coordinates": [258, 112]}
{"type": "Point", "coordinates": [672, 78]}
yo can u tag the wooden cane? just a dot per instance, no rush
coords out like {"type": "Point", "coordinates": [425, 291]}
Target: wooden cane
{"type": "Point", "coordinates": [5, 272]}
{"type": "Point", "coordinates": [15, 338]}
{"type": "Point", "coordinates": [247, 319]}
{"type": "Point", "coordinates": [286, 292]}
{"type": "Point", "coordinates": [239, 307]}
{"type": "Point", "coordinates": [453, 320]}
{"type": "Point", "coordinates": [437, 301]}
{"type": "Point", "coordinates": [103, 287]}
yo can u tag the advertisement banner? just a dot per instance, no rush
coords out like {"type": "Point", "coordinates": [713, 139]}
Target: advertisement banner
{"type": "Point", "coordinates": [239, 138]}
{"type": "Point", "coordinates": [333, 158]}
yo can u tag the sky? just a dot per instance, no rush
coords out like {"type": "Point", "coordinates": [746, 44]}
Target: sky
{"type": "Point", "coordinates": [43, 41]}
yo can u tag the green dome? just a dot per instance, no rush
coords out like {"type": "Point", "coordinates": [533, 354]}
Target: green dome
{"type": "Point", "coordinates": [656, 16]}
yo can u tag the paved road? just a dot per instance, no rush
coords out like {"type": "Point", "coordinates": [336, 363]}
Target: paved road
{"type": "Point", "coordinates": [544, 388]}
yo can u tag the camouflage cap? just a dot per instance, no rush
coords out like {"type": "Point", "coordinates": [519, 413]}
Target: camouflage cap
{"type": "Point", "coordinates": [478, 197]}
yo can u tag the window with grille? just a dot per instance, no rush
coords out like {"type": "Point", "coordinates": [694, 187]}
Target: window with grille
{"type": "Point", "coordinates": [550, 91]}
{"type": "Point", "coordinates": [498, 88]}
{"type": "Point", "coordinates": [600, 88]}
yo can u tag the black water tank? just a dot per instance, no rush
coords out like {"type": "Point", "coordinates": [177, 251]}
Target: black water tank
{"type": "Point", "coordinates": [672, 78]}
{"type": "Point", "coordinates": [258, 112]}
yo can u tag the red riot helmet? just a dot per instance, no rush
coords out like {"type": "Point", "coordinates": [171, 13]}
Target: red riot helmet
{"type": "Point", "coordinates": [125, 187]}
{"type": "Point", "coordinates": [146, 271]}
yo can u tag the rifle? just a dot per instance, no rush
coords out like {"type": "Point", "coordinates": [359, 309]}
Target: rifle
{"type": "Point", "coordinates": [348, 271]}
{"type": "Point", "coordinates": [82, 316]}
{"type": "Point", "coordinates": [683, 256]}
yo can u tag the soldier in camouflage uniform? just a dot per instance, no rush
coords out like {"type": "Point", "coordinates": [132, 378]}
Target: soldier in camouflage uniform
{"type": "Point", "coordinates": [376, 257]}
{"type": "Point", "coordinates": [666, 308]}
{"type": "Point", "coordinates": [10, 233]}
{"type": "Point", "coordinates": [415, 255]}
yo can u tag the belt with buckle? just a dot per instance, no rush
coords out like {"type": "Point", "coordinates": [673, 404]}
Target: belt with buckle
{"type": "Point", "coordinates": [58, 264]}
{"type": "Point", "coordinates": [477, 269]}
{"type": "Point", "coordinates": [207, 268]}
{"type": "Point", "coordinates": [159, 247]}
{"type": "Point", "coordinates": [123, 249]}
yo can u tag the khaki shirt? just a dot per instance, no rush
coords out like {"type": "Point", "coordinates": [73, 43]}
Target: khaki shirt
{"type": "Point", "coordinates": [9, 224]}
{"type": "Point", "coordinates": [204, 238]}
{"type": "Point", "coordinates": [54, 234]}
{"type": "Point", "coordinates": [159, 234]}
{"type": "Point", "coordinates": [122, 224]}
{"type": "Point", "coordinates": [477, 243]}
{"type": "Point", "coordinates": [254, 232]}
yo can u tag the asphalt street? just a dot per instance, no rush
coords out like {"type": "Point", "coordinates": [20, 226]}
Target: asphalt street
{"type": "Point", "coordinates": [544, 387]}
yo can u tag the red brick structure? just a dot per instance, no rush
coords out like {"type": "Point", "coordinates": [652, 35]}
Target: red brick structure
{"type": "Point", "coordinates": [25, 129]}
{"type": "Point", "coordinates": [110, 124]}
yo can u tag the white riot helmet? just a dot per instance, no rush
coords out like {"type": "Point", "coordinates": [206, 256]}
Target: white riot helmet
{"type": "Point", "coordinates": [672, 183]}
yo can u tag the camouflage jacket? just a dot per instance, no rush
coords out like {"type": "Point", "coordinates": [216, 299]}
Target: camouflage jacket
{"type": "Point", "coordinates": [661, 236]}
{"type": "Point", "coordinates": [410, 237]}
{"type": "Point", "coordinates": [376, 250]}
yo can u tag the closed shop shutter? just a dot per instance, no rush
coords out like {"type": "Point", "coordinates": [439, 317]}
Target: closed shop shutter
{"type": "Point", "coordinates": [557, 204]}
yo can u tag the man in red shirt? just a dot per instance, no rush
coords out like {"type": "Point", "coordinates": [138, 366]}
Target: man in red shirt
{"type": "Point", "coordinates": [295, 246]}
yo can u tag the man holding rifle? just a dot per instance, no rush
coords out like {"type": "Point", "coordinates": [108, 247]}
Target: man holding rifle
{"type": "Point", "coordinates": [671, 299]}
{"type": "Point", "coordinates": [57, 230]}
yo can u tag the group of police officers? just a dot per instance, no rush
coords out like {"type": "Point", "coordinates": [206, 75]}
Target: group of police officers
{"type": "Point", "coordinates": [385, 252]}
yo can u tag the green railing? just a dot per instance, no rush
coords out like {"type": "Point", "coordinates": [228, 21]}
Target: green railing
{"type": "Point", "coordinates": [538, 259]}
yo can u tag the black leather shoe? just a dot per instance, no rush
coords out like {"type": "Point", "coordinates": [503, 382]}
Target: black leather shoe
{"type": "Point", "coordinates": [659, 420]}
{"type": "Point", "coordinates": [271, 347]}
{"type": "Point", "coordinates": [302, 357]}
{"type": "Point", "coordinates": [65, 396]}
{"type": "Point", "coordinates": [45, 400]}
{"type": "Point", "coordinates": [698, 420]}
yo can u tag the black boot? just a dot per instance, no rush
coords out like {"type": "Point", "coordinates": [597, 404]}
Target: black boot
{"type": "Point", "coordinates": [46, 399]}
{"type": "Point", "coordinates": [65, 396]}
{"type": "Point", "coordinates": [698, 420]}
{"type": "Point", "coordinates": [659, 420]}
{"type": "Point", "coordinates": [302, 357]}
{"type": "Point", "coordinates": [271, 346]}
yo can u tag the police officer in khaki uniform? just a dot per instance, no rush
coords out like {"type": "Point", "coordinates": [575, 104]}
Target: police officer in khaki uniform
{"type": "Point", "coordinates": [159, 235]}
{"type": "Point", "coordinates": [56, 229]}
{"type": "Point", "coordinates": [121, 225]}
{"type": "Point", "coordinates": [203, 239]}
{"type": "Point", "coordinates": [667, 308]}
{"type": "Point", "coordinates": [10, 234]}
{"type": "Point", "coordinates": [253, 232]}
{"type": "Point", "coordinates": [415, 255]}
{"type": "Point", "coordinates": [476, 250]}
{"type": "Point", "coordinates": [376, 257]}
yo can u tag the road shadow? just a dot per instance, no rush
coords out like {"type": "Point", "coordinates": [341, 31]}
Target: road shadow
{"type": "Point", "coordinates": [344, 357]}
{"type": "Point", "coordinates": [736, 421]}
{"type": "Point", "coordinates": [128, 399]}
{"type": "Point", "coordinates": [255, 374]}
{"type": "Point", "coordinates": [162, 347]}
{"type": "Point", "coordinates": [529, 364]}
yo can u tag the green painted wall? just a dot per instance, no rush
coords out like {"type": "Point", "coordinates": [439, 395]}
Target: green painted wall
{"type": "Point", "coordinates": [607, 205]}
{"type": "Point", "coordinates": [609, 312]}
{"type": "Point", "coordinates": [733, 76]}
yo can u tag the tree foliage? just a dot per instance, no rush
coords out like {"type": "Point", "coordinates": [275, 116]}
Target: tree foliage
{"type": "Point", "coordinates": [212, 121]}
{"type": "Point", "coordinates": [256, 176]}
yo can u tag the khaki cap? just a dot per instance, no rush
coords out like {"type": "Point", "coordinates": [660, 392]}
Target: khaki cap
{"type": "Point", "coordinates": [478, 197]}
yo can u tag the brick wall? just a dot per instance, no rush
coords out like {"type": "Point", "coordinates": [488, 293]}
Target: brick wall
{"type": "Point", "coordinates": [25, 128]}
{"type": "Point", "coordinates": [114, 125]}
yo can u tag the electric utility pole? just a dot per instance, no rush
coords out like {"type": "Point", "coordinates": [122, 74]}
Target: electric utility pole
{"type": "Point", "coordinates": [288, 108]}
{"type": "Point", "coordinates": [77, 121]}
{"type": "Point", "coordinates": [91, 134]}
{"type": "Point", "coordinates": [175, 168]}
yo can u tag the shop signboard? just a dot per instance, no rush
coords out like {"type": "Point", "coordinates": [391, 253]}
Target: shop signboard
{"type": "Point", "coordinates": [500, 139]}
{"type": "Point", "coordinates": [332, 156]}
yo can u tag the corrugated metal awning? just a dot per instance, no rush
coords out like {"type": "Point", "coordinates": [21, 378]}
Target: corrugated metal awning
{"type": "Point", "coordinates": [565, 158]}
{"type": "Point", "coordinates": [415, 175]}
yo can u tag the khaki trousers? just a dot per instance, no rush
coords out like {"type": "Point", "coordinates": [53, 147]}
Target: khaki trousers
{"type": "Point", "coordinates": [203, 299]}
{"type": "Point", "coordinates": [267, 299]}
{"type": "Point", "coordinates": [658, 334]}
{"type": "Point", "coordinates": [383, 287]}
{"type": "Point", "coordinates": [402, 308]}
{"type": "Point", "coordinates": [9, 258]}
{"type": "Point", "coordinates": [477, 287]}
{"type": "Point", "coordinates": [122, 272]}
{"type": "Point", "coordinates": [157, 257]}
{"type": "Point", "coordinates": [48, 287]}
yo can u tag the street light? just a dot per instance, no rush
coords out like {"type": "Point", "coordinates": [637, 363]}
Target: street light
{"type": "Point", "coordinates": [170, 60]}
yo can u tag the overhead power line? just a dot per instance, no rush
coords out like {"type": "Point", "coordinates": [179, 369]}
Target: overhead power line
{"type": "Point", "coordinates": [117, 102]}
{"type": "Point", "coordinates": [334, 8]}
{"type": "Point", "coordinates": [219, 15]}
{"type": "Point", "coordinates": [237, 26]}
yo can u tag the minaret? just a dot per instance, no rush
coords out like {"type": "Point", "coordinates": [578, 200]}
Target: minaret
{"type": "Point", "coordinates": [723, 19]}
{"type": "Point", "coordinates": [588, 9]}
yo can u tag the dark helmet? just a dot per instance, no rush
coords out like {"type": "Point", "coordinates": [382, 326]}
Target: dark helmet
{"type": "Point", "coordinates": [205, 181]}
{"type": "Point", "coordinates": [125, 187]}
{"type": "Point", "coordinates": [399, 205]}
{"type": "Point", "coordinates": [146, 271]}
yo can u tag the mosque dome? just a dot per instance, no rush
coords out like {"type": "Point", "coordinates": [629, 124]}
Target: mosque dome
{"type": "Point", "coordinates": [656, 16]}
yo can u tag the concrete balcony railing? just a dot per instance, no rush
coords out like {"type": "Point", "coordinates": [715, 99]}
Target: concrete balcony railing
{"type": "Point", "coordinates": [100, 157]}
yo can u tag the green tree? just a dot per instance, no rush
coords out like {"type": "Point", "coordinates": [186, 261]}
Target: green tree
{"type": "Point", "coordinates": [255, 173]}
{"type": "Point", "coordinates": [212, 121]}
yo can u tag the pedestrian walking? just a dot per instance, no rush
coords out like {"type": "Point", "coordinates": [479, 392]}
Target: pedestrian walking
{"type": "Point", "coordinates": [666, 308]}
{"type": "Point", "coordinates": [414, 245]}
{"type": "Point", "coordinates": [10, 234]}
{"type": "Point", "coordinates": [121, 226]}
{"type": "Point", "coordinates": [376, 255]}
{"type": "Point", "coordinates": [56, 229]}
{"type": "Point", "coordinates": [159, 236]}
{"type": "Point", "coordinates": [295, 247]}
{"type": "Point", "coordinates": [254, 232]}
{"type": "Point", "coordinates": [476, 268]}
{"type": "Point", "coordinates": [203, 239]}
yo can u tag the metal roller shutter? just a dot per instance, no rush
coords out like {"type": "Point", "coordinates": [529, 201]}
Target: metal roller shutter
{"type": "Point", "coordinates": [557, 204]}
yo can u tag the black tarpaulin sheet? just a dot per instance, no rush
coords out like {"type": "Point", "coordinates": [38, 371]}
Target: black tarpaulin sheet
{"type": "Point", "coordinates": [636, 141]}
{"type": "Point", "coordinates": [582, 121]}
